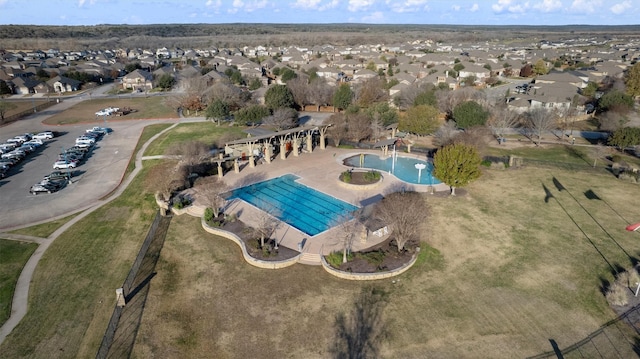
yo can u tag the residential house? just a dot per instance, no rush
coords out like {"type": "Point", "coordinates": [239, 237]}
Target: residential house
{"type": "Point", "coordinates": [61, 84]}
{"type": "Point", "coordinates": [26, 85]}
{"type": "Point", "coordinates": [138, 80]}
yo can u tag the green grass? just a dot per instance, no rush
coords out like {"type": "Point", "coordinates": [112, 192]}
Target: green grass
{"type": "Point", "coordinates": [147, 133]}
{"type": "Point", "coordinates": [206, 132]}
{"type": "Point", "coordinates": [44, 230]}
{"type": "Point", "coordinates": [13, 256]}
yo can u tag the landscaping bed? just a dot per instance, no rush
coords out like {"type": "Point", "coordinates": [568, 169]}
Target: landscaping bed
{"type": "Point", "coordinates": [380, 258]}
{"type": "Point", "coordinates": [360, 178]}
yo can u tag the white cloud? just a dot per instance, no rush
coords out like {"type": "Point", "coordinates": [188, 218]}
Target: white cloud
{"type": "Point", "coordinates": [585, 6]}
{"type": "Point", "coordinates": [213, 3]}
{"type": "Point", "coordinates": [407, 5]}
{"type": "Point", "coordinates": [315, 4]}
{"type": "Point", "coordinates": [548, 5]}
{"type": "Point", "coordinates": [375, 17]}
{"type": "Point", "coordinates": [474, 8]}
{"type": "Point", "coordinates": [357, 5]}
{"type": "Point", "coordinates": [621, 7]}
{"type": "Point", "coordinates": [82, 2]}
{"type": "Point", "coordinates": [501, 5]}
{"type": "Point", "coordinates": [510, 6]}
{"type": "Point", "coordinates": [239, 5]}
{"type": "Point", "coordinates": [456, 7]}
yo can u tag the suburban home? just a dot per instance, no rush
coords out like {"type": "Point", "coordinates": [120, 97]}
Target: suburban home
{"type": "Point", "coordinates": [23, 86]}
{"type": "Point", "coordinates": [61, 84]}
{"type": "Point", "coordinates": [138, 80]}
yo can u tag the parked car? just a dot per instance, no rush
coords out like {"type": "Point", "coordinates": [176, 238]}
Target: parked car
{"type": "Point", "coordinates": [47, 187]}
{"type": "Point", "coordinates": [26, 148]}
{"type": "Point", "coordinates": [15, 141]}
{"type": "Point", "coordinates": [85, 138]}
{"type": "Point", "coordinates": [46, 135]}
{"type": "Point", "coordinates": [77, 148]}
{"type": "Point", "coordinates": [8, 147]}
{"type": "Point", "coordinates": [58, 175]}
{"type": "Point", "coordinates": [59, 165]}
{"type": "Point", "coordinates": [34, 141]}
{"type": "Point", "coordinates": [15, 154]}
{"type": "Point", "coordinates": [95, 135]}
{"type": "Point", "coordinates": [103, 130]}
{"type": "Point", "coordinates": [84, 144]}
{"type": "Point", "coordinates": [8, 162]}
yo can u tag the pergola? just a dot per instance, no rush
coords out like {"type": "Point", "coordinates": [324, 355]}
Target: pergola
{"type": "Point", "coordinates": [292, 137]}
{"type": "Point", "coordinates": [384, 144]}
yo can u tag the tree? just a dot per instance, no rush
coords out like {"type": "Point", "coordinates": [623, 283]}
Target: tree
{"type": "Point", "coordinates": [632, 80]}
{"type": "Point", "coordinates": [540, 67]}
{"type": "Point", "coordinates": [338, 128]}
{"type": "Point", "coordinates": [343, 97]}
{"type": "Point", "coordinates": [539, 121]}
{"type": "Point", "coordinates": [526, 70]}
{"type": "Point", "coordinates": [446, 133]}
{"type": "Point", "coordinates": [615, 100]}
{"type": "Point", "coordinates": [469, 114]}
{"type": "Point", "coordinates": [165, 82]}
{"type": "Point", "coordinates": [267, 222]}
{"type": "Point", "coordinates": [299, 88]}
{"type": "Point", "coordinates": [456, 165]}
{"type": "Point", "coordinates": [132, 66]}
{"type": "Point", "coordinates": [458, 67]}
{"type": "Point", "coordinates": [4, 88]}
{"type": "Point", "coordinates": [255, 84]}
{"type": "Point", "coordinates": [5, 106]}
{"type": "Point", "coordinates": [250, 115]}
{"type": "Point", "coordinates": [420, 120]}
{"type": "Point", "coordinates": [501, 120]}
{"type": "Point", "coordinates": [282, 118]}
{"type": "Point", "coordinates": [404, 213]}
{"type": "Point", "coordinates": [278, 96]}
{"type": "Point", "coordinates": [371, 91]}
{"type": "Point", "coordinates": [625, 137]}
{"type": "Point", "coordinates": [358, 126]}
{"type": "Point", "coordinates": [217, 110]}
{"type": "Point", "coordinates": [590, 90]}
{"type": "Point", "coordinates": [427, 97]}
{"type": "Point", "coordinates": [212, 191]}
{"type": "Point", "coordinates": [192, 154]}
{"type": "Point", "coordinates": [383, 113]}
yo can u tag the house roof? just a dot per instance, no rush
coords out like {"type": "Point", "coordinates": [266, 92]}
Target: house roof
{"type": "Point", "coordinates": [146, 75]}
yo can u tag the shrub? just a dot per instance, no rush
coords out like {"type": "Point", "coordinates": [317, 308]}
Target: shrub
{"type": "Point", "coordinates": [231, 217]}
{"type": "Point", "coordinates": [346, 176]}
{"type": "Point", "coordinates": [486, 163]}
{"type": "Point", "coordinates": [335, 258]}
{"type": "Point", "coordinates": [616, 158]}
{"type": "Point", "coordinates": [208, 215]}
{"type": "Point", "coordinates": [372, 176]}
{"type": "Point", "coordinates": [374, 257]}
{"type": "Point", "coordinates": [618, 294]}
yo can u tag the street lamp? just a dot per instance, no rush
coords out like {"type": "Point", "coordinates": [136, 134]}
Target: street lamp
{"type": "Point", "coordinates": [420, 167]}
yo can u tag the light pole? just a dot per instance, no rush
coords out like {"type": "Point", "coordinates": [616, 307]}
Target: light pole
{"type": "Point", "coordinates": [420, 167]}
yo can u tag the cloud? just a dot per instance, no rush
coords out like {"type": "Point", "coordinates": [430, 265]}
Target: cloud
{"type": "Point", "coordinates": [621, 7]}
{"type": "Point", "coordinates": [585, 6]}
{"type": "Point", "coordinates": [501, 5]}
{"type": "Point", "coordinates": [456, 7]}
{"type": "Point", "coordinates": [474, 8]}
{"type": "Point", "coordinates": [510, 6]}
{"type": "Point", "coordinates": [407, 5]}
{"type": "Point", "coordinates": [548, 5]}
{"type": "Point", "coordinates": [213, 3]}
{"type": "Point", "coordinates": [375, 17]}
{"type": "Point", "coordinates": [315, 4]}
{"type": "Point", "coordinates": [82, 2]}
{"type": "Point", "coordinates": [358, 5]}
{"type": "Point", "coordinates": [251, 6]}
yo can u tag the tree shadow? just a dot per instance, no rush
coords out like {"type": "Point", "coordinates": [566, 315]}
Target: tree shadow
{"type": "Point", "coordinates": [360, 333]}
{"type": "Point", "coordinates": [249, 179]}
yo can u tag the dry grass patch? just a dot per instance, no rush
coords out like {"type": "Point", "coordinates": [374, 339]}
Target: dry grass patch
{"type": "Point", "coordinates": [85, 111]}
{"type": "Point", "coordinates": [513, 271]}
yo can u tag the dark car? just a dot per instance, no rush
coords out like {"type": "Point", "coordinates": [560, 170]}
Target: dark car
{"type": "Point", "coordinates": [77, 148]}
{"type": "Point", "coordinates": [58, 175]}
{"type": "Point", "coordinates": [47, 187]}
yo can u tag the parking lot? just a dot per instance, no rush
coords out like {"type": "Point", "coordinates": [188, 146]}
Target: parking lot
{"type": "Point", "coordinates": [96, 176]}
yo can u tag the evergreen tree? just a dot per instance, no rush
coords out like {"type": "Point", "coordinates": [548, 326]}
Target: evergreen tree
{"type": "Point", "coordinates": [632, 80]}
{"type": "Point", "coordinates": [457, 165]}
{"type": "Point", "coordinates": [278, 96]}
{"type": "Point", "coordinates": [343, 97]}
{"type": "Point", "coordinates": [469, 114]}
{"type": "Point", "coordinates": [420, 120]}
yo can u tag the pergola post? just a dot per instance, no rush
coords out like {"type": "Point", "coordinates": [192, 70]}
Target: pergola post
{"type": "Point", "coordinates": [220, 169]}
{"type": "Point", "coordinates": [310, 141]}
{"type": "Point", "coordinates": [236, 166]}
{"type": "Point", "coordinates": [296, 144]}
{"type": "Point", "coordinates": [283, 148]}
{"type": "Point", "coordinates": [252, 161]}
{"type": "Point", "coordinates": [323, 132]}
{"type": "Point", "coordinates": [267, 152]}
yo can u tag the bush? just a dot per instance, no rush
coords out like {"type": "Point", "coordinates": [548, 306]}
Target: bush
{"type": "Point", "coordinates": [335, 258]}
{"type": "Point", "coordinates": [372, 176]}
{"type": "Point", "coordinates": [346, 176]}
{"type": "Point", "coordinates": [181, 202]}
{"type": "Point", "coordinates": [208, 215]}
{"type": "Point", "coordinates": [618, 294]}
{"type": "Point", "coordinates": [486, 163]}
{"type": "Point", "coordinates": [374, 257]}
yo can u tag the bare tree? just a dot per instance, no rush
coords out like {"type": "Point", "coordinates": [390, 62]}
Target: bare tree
{"type": "Point", "coordinates": [349, 225]}
{"type": "Point", "coordinates": [407, 96]}
{"type": "Point", "coordinates": [282, 118]}
{"type": "Point", "coordinates": [446, 133]}
{"type": "Point", "coordinates": [476, 136]}
{"type": "Point", "coordinates": [228, 93]}
{"type": "Point", "coordinates": [166, 178]}
{"type": "Point", "coordinates": [192, 96]}
{"type": "Point", "coordinates": [299, 88]}
{"type": "Point", "coordinates": [539, 121]}
{"type": "Point", "coordinates": [599, 151]}
{"type": "Point", "coordinates": [192, 153]}
{"type": "Point", "coordinates": [320, 92]}
{"type": "Point", "coordinates": [212, 191]}
{"type": "Point", "coordinates": [267, 223]}
{"type": "Point", "coordinates": [448, 100]}
{"type": "Point", "coordinates": [359, 126]}
{"type": "Point", "coordinates": [403, 212]}
{"type": "Point", "coordinates": [611, 121]}
{"type": "Point", "coordinates": [502, 119]}
{"type": "Point", "coordinates": [370, 91]}
{"type": "Point", "coordinates": [338, 128]}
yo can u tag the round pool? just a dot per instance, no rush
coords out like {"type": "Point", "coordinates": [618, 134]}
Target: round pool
{"type": "Point", "coordinates": [410, 170]}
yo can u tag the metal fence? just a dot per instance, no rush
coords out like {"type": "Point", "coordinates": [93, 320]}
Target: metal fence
{"type": "Point", "coordinates": [34, 109]}
{"type": "Point", "coordinates": [133, 279]}
{"type": "Point", "coordinates": [618, 338]}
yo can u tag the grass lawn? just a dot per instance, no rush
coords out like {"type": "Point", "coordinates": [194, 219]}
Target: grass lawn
{"type": "Point", "coordinates": [84, 112]}
{"type": "Point", "coordinates": [504, 272]}
{"type": "Point", "coordinates": [23, 105]}
{"type": "Point", "coordinates": [44, 230]}
{"type": "Point", "coordinates": [206, 132]}
{"type": "Point", "coordinates": [147, 133]}
{"type": "Point", "coordinates": [13, 256]}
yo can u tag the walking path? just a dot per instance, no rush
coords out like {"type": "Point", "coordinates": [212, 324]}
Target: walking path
{"type": "Point", "coordinates": [20, 302]}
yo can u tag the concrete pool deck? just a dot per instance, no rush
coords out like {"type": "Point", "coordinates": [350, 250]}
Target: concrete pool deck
{"type": "Point", "coordinates": [319, 170]}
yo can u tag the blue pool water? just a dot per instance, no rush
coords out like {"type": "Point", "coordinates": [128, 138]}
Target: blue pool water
{"type": "Point", "coordinates": [302, 207]}
{"type": "Point", "coordinates": [404, 168]}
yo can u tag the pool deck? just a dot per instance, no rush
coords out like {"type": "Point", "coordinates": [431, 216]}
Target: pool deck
{"type": "Point", "coordinates": [319, 170]}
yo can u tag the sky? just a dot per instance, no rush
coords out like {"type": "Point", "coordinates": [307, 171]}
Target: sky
{"type": "Point", "coordinates": [459, 12]}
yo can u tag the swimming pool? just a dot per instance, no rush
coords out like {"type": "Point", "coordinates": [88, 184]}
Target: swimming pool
{"type": "Point", "coordinates": [404, 168]}
{"type": "Point", "coordinates": [302, 207]}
